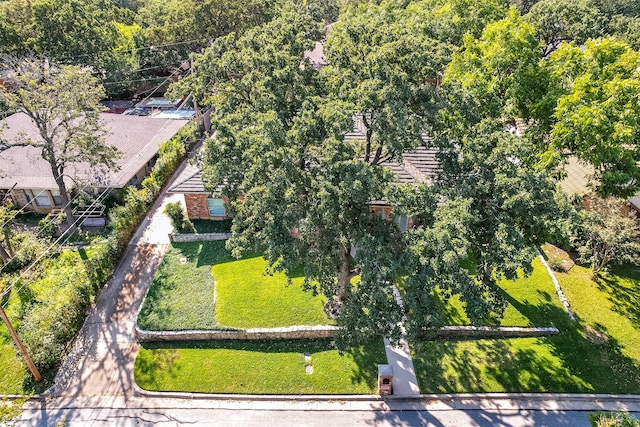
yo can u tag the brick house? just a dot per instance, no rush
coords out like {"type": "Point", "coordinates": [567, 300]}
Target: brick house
{"type": "Point", "coordinates": [417, 166]}
{"type": "Point", "coordinates": [200, 203]}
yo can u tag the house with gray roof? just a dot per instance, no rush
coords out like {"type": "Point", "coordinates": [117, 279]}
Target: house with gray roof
{"type": "Point", "coordinates": [27, 178]}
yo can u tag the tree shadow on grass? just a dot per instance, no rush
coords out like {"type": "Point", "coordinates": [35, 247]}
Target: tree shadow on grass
{"type": "Point", "coordinates": [624, 294]}
{"type": "Point", "coordinates": [569, 362]}
{"type": "Point", "coordinates": [203, 253]}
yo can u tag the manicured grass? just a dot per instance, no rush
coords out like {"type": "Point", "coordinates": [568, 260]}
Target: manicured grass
{"type": "Point", "coordinates": [182, 295]}
{"type": "Point", "coordinates": [598, 353]}
{"type": "Point", "coordinates": [609, 308]}
{"type": "Point", "coordinates": [534, 290]}
{"type": "Point", "coordinates": [258, 367]}
{"type": "Point", "coordinates": [247, 298]}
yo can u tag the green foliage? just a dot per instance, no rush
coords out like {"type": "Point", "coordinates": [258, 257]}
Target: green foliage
{"type": "Point", "coordinates": [498, 76]}
{"type": "Point", "coordinates": [126, 217]}
{"type": "Point", "coordinates": [450, 20]}
{"type": "Point", "coordinates": [596, 92]}
{"type": "Point", "coordinates": [494, 206]}
{"type": "Point", "coordinates": [91, 33]}
{"type": "Point", "coordinates": [48, 227]}
{"type": "Point", "coordinates": [612, 419]}
{"type": "Point", "coordinates": [609, 234]}
{"type": "Point", "coordinates": [180, 222]}
{"type": "Point", "coordinates": [268, 367]}
{"type": "Point", "coordinates": [56, 307]}
{"type": "Point", "coordinates": [69, 127]}
{"type": "Point", "coordinates": [385, 68]}
{"type": "Point", "coordinates": [169, 23]}
{"type": "Point", "coordinates": [557, 21]}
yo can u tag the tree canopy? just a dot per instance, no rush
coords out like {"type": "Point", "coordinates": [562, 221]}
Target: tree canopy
{"type": "Point", "coordinates": [63, 103]}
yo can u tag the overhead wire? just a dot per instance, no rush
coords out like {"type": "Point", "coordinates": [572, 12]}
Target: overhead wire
{"type": "Point", "coordinates": [99, 199]}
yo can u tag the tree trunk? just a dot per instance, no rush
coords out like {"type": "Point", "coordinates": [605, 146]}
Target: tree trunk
{"type": "Point", "coordinates": [4, 255]}
{"type": "Point", "coordinates": [62, 188]}
{"type": "Point", "coordinates": [7, 240]}
{"type": "Point", "coordinates": [345, 274]}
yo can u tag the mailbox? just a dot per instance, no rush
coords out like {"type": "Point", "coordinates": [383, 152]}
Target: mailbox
{"type": "Point", "coordinates": [385, 379]}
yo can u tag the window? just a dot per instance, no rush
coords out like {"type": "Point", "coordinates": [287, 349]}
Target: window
{"type": "Point", "coordinates": [216, 207]}
{"type": "Point", "coordinates": [57, 199]}
{"type": "Point", "coordinates": [403, 222]}
{"type": "Point", "coordinates": [42, 197]}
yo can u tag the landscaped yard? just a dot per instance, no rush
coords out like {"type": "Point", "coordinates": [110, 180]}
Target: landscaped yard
{"type": "Point", "coordinates": [258, 367]}
{"type": "Point", "coordinates": [534, 290]}
{"type": "Point", "coordinates": [249, 299]}
{"type": "Point", "coordinates": [597, 353]}
{"type": "Point", "coordinates": [182, 295]}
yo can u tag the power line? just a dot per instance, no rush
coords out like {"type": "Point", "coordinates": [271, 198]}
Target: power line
{"type": "Point", "coordinates": [133, 49]}
{"type": "Point", "coordinates": [99, 199]}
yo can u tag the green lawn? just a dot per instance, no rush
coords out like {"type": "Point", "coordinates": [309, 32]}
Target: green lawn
{"type": "Point", "coordinates": [534, 290]}
{"type": "Point", "coordinates": [12, 368]}
{"type": "Point", "coordinates": [182, 295]}
{"type": "Point", "coordinates": [598, 353]}
{"type": "Point", "coordinates": [247, 298]}
{"type": "Point", "coordinates": [262, 367]}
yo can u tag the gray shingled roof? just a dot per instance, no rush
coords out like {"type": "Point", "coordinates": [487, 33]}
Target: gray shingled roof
{"type": "Point", "coordinates": [137, 138]}
{"type": "Point", "coordinates": [190, 181]}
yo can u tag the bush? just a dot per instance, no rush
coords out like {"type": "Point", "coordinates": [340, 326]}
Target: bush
{"type": "Point", "coordinates": [558, 264]}
{"type": "Point", "coordinates": [179, 220]}
{"type": "Point", "coordinates": [48, 227]}
{"type": "Point", "coordinates": [613, 419]}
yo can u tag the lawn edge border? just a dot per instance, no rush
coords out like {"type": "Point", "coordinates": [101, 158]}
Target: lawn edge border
{"type": "Point", "coordinates": [284, 333]}
{"type": "Point", "coordinates": [329, 331]}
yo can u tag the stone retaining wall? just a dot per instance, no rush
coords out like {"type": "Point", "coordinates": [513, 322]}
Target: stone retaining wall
{"type": "Point", "coordinates": [197, 237]}
{"type": "Point", "coordinates": [291, 332]}
{"type": "Point", "coordinates": [494, 332]}
{"type": "Point", "coordinates": [328, 331]}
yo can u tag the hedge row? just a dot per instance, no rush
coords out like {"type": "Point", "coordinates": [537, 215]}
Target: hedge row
{"type": "Point", "coordinates": [54, 307]}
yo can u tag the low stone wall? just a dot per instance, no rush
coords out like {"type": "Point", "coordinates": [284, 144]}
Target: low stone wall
{"type": "Point", "coordinates": [328, 331]}
{"type": "Point", "coordinates": [197, 237]}
{"type": "Point", "coordinates": [494, 332]}
{"type": "Point", "coordinates": [290, 333]}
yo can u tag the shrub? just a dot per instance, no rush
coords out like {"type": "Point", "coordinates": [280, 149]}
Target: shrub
{"type": "Point", "coordinates": [558, 264]}
{"type": "Point", "coordinates": [48, 227]}
{"type": "Point", "coordinates": [179, 220]}
{"type": "Point", "coordinates": [613, 419]}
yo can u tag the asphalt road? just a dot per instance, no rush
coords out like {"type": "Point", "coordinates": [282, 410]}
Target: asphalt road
{"type": "Point", "coordinates": [172, 412]}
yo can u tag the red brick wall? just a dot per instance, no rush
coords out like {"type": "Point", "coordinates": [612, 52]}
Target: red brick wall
{"type": "Point", "coordinates": [197, 206]}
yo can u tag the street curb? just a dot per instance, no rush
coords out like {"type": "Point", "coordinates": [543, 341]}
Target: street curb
{"type": "Point", "coordinates": [139, 391]}
{"type": "Point", "coordinates": [466, 398]}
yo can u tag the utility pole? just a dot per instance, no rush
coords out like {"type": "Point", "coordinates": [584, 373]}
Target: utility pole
{"type": "Point", "coordinates": [20, 346]}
